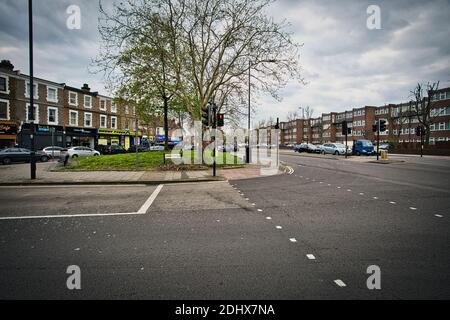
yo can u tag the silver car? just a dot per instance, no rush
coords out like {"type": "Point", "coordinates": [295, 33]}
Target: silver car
{"type": "Point", "coordinates": [334, 148]}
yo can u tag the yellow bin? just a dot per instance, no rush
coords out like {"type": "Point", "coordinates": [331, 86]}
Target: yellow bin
{"type": "Point", "coordinates": [384, 155]}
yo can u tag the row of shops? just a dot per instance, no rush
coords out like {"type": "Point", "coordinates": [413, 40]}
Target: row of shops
{"type": "Point", "coordinates": [44, 136]}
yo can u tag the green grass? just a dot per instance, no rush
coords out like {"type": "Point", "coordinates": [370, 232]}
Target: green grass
{"type": "Point", "coordinates": [147, 161]}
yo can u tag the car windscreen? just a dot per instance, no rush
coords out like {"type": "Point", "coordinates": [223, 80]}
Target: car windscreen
{"type": "Point", "coordinates": [367, 144]}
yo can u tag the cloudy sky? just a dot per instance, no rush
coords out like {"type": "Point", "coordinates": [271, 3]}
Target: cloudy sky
{"type": "Point", "coordinates": [344, 63]}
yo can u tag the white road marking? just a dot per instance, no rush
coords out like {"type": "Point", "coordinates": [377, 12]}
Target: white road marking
{"type": "Point", "coordinates": [293, 240]}
{"type": "Point", "coordinates": [340, 283]}
{"type": "Point", "coordinates": [361, 194]}
{"type": "Point", "coordinates": [260, 210]}
{"type": "Point", "coordinates": [413, 209]}
{"type": "Point", "coordinates": [253, 204]}
{"type": "Point", "coordinates": [268, 218]}
{"type": "Point", "coordinates": [311, 257]}
{"type": "Point", "coordinates": [143, 210]}
{"type": "Point", "coordinates": [149, 202]}
{"type": "Point", "coordinates": [329, 185]}
{"type": "Point", "coordinates": [393, 202]}
{"type": "Point", "coordinates": [279, 227]}
{"type": "Point", "coordinates": [438, 215]}
{"type": "Point", "coordinates": [247, 199]}
{"type": "Point", "coordinates": [349, 190]}
{"type": "Point", "coordinates": [375, 198]}
{"type": "Point", "coordinates": [339, 187]}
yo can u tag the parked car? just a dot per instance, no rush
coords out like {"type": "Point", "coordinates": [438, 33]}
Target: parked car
{"type": "Point", "coordinates": [114, 149]}
{"type": "Point", "coordinates": [139, 149]}
{"type": "Point", "coordinates": [157, 148]}
{"type": "Point", "coordinates": [54, 152]}
{"type": "Point", "coordinates": [10, 155]}
{"type": "Point", "coordinates": [307, 147]}
{"type": "Point", "coordinates": [363, 147]}
{"type": "Point", "coordinates": [319, 148]}
{"type": "Point", "coordinates": [76, 152]}
{"type": "Point", "coordinates": [296, 147]}
{"type": "Point", "coordinates": [334, 148]}
{"type": "Point", "coordinates": [228, 148]}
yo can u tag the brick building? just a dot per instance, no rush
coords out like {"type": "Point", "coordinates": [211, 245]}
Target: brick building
{"type": "Point", "coordinates": [64, 116]}
{"type": "Point", "coordinates": [401, 124]}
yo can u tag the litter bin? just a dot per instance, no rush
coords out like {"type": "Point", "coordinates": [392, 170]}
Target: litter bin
{"type": "Point", "coordinates": [384, 155]}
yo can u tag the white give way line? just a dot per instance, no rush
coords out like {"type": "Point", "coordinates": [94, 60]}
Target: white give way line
{"type": "Point", "coordinates": [143, 210]}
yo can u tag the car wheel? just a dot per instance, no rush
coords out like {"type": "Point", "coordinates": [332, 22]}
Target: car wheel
{"type": "Point", "coordinates": [74, 156]}
{"type": "Point", "coordinates": [323, 152]}
{"type": "Point", "coordinates": [358, 154]}
{"type": "Point", "coordinates": [44, 159]}
{"type": "Point", "coordinates": [95, 155]}
{"type": "Point", "coordinates": [336, 153]}
{"type": "Point", "coordinates": [6, 161]}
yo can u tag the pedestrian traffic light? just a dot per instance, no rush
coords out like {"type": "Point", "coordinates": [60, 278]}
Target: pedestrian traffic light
{"type": "Point", "coordinates": [383, 125]}
{"type": "Point", "coordinates": [206, 116]}
{"type": "Point", "coordinates": [220, 120]}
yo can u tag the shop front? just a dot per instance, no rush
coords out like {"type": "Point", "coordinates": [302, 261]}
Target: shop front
{"type": "Point", "coordinates": [108, 137]}
{"type": "Point", "coordinates": [8, 134]}
{"type": "Point", "coordinates": [44, 136]}
{"type": "Point", "coordinates": [80, 137]}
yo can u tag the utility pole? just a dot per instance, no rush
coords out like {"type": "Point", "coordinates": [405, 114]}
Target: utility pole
{"type": "Point", "coordinates": [31, 92]}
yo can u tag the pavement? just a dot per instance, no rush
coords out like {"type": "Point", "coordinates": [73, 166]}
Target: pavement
{"type": "Point", "coordinates": [310, 233]}
{"type": "Point", "coordinates": [19, 174]}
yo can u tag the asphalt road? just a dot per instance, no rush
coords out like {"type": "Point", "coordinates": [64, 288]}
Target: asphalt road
{"type": "Point", "coordinates": [281, 237]}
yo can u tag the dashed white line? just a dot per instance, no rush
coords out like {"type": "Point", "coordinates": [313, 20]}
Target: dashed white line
{"type": "Point", "coordinates": [260, 210]}
{"type": "Point", "coordinates": [293, 240]}
{"type": "Point", "coordinates": [268, 218]}
{"type": "Point", "coordinates": [375, 198]}
{"type": "Point", "coordinates": [439, 215]}
{"type": "Point", "coordinates": [340, 283]}
{"type": "Point", "coordinates": [311, 257]}
{"type": "Point", "coordinates": [361, 193]}
{"type": "Point", "coordinates": [413, 209]}
{"type": "Point", "coordinates": [279, 227]}
{"type": "Point", "coordinates": [392, 202]}
{"type": "Point", "coordinates": [349, 190]}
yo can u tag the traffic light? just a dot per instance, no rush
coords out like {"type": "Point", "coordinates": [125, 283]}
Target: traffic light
{"type": "Point", "coordinates": [345, 129]}
{"type": "Point", "coordinates": [206, 116]}
{"type": "Point", "coordinates": [420, 131]}
{"type": "Point", "coordinates": [383, 125]}
{"type": "Point", "coordinates": [277, 126]}
{"type": "Point", "coordinates": [220, 120]}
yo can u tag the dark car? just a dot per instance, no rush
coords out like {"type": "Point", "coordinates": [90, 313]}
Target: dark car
{"type": "Point", "coordinates": [139, 149]}
{"type": "Point", "coordinates": [8, 156]}
{"type": "Point", "coordinates": [112, 150]}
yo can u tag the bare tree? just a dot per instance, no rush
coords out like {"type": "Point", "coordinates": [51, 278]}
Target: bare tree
{"type": "Point", "coordinates": [400, 116]}
{"type": "Point", "coordinates": [423, 107]}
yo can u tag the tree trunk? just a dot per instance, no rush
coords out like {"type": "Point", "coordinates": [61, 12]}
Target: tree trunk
{"type": "Point", "coordinates": [166, 123]}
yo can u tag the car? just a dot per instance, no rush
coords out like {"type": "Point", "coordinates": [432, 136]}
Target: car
{"type": "Point", "coordinates": [228, 148]}
{"type": "Point", "coordinates": [10, 155]}
{"type": "Point", "coordinates": [335, 148]}
{"type": "Point", "coordinates": [54, 152]}
{"type": "Point", "coordinates": [139, 149]}
{"type": "Point", "coordinates": [363, 147]}
{"type": "Point", "coordinates": [157, 148]}
{"type": "Point", "coordinates": [76, 152]}
{"type": "Point", "coordinates": [319, 148]}
{"type": "Point", "coordinates": [113, 149]}
{"type": "Point", "coordinates": [383, 147]}
{"type": "Point", "coordinates": [307, 147]}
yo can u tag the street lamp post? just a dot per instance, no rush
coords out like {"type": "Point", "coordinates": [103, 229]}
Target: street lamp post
{"type": "Point", "coordinates": [31, 92]}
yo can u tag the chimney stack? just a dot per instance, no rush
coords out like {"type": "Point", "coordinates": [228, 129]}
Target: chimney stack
{"type": "Point", "coordinates": [7, 65]}
{"type": "Point", "coordinates": [86, 87]}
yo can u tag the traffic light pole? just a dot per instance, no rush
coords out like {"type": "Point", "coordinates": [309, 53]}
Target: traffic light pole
{"type": "Point", "coordinates": [346, 143]}
{"type": "Point", "coordinates": [421, 143]}
{"type": "Point", "coordinates": [378, 140]}
{"type": "Point", "coordinates": [31, 92]}
{"type": "Point", "coordinates": [214, 126]}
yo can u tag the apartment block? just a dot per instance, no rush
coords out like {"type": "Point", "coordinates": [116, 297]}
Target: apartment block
{"type": "Point", "coordinates": [400, 118]}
